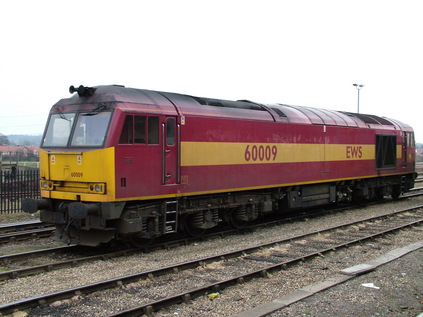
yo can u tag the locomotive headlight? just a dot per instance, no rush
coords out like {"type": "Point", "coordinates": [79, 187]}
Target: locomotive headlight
{"type": "Point", "coordinates": [46, 185]}
{"type": "Point", "coordinates": [98, 188]}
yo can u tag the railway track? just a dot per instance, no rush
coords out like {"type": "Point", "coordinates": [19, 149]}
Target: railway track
{"type": "Point", "coordinates": [24, 231]}
{"type": "Point", "coordinates": [19, 227]}
{"type": "Point", "coordinates": [71, 256]}
{"type": "Point", "coordinates": [75, 257]}
{"type": "Point", "coordinates": [37, 229]}
{"type": "Point", "coordinates": [260, 259]}
{"type": "Point", "coordinates": [25, 234]}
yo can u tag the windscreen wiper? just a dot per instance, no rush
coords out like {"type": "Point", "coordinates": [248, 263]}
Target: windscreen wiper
{"type": "Point", "coordinates": [100, 108]}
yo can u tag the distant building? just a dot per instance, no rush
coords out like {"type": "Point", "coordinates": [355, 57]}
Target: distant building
{"type": "Point", "coordinates": [24, 151]}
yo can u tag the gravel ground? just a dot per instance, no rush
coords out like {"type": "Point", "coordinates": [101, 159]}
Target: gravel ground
{"type": "Point", "coordinates": [28, 245]}
{"type": "Point", "coordinates": [235, 299]}
{"type": "Point", "coordinates": [18, 217]}
{"type": "Point", "coordinates": [404, 282]}
{"type": "Point", "coordinates": [398, 292]}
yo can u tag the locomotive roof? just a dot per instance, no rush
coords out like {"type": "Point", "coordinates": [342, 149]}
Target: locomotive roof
{"type": "Point", "coordinates": [175, 103]}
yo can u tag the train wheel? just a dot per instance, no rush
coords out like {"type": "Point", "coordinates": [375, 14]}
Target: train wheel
{"type": "Point", "coordinates": [235, 218]}
{"type": "Point", "coordinates": [188, 226]}
{"type": "Point", "coordinates": [379, 194]}
{"type": "Point", "coordinates": [396, 192]}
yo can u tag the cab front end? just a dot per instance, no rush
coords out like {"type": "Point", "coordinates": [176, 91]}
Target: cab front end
{"type": "Point", "coordinates": [77, 183]}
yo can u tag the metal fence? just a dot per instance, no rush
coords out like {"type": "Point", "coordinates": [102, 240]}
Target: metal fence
{"type": "Point", "coordinates": [16, 185]}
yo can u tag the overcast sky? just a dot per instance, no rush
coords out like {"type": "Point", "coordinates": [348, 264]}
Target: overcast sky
{"type": "Point", "coordinates": [306, 53]}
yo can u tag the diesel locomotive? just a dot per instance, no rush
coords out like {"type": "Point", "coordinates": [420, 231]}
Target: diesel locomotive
{"type": "Point", "coordinates": [127, 164]}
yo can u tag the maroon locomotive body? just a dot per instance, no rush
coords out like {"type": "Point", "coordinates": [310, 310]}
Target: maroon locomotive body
{"type": "Point", "coordinates": [122, 163]}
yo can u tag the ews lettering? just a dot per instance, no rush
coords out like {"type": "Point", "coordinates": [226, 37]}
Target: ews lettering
{"type": "Point", "coordinates": [354, 152]}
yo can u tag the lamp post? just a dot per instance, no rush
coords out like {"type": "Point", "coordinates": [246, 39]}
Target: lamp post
{"type": "Point", "coordinates": [358, 86]}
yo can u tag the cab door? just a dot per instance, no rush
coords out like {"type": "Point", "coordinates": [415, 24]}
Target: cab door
{"type": "Point", "coordinates": [170, 149]}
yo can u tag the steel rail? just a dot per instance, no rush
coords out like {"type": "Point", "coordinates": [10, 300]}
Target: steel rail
{"type": "Point", "coordinates": [47, 267]}
{"type": "Point", "coordinates": [27, 234]}
{"type": "Point", "coordinates": [23, 231]}
{"type": "Point", "coordinates": [14, 227]}
{"type": "Point", "coordinates": [119, 281]}
{"type": "Point", "coordinates": [12, 274]}
{"type": "Point", "coordinates": [31, 254]}
{"type": "Point", "coordinates": [412, 195]}
{"type": "Point", "coordinates": [185, 297]}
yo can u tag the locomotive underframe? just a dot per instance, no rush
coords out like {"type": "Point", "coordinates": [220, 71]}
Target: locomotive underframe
{"type": "Point", "coordinates": [97, 223]}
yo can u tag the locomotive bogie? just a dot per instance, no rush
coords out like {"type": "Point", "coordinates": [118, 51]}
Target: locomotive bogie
{"type": "Point", "coordinates": [121, 163]}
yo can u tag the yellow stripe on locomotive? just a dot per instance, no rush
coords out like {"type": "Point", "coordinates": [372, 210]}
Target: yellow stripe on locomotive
{"type": "Point", "coordinates": [230, 153]}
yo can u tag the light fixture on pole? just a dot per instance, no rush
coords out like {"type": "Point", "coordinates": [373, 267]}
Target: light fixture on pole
{"type": "Point", "coordinates": [358, 86]}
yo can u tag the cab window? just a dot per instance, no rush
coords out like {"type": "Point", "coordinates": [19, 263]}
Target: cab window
{"type": "Point", "coordinates": [170, 132]}
{"type": "Point", "coordinates": [153, 130]}
{"type": "Point", "coordinates": [140, 130]}
{"type": "Point", "coordinates": [90, 129]}
{"type": "Point", "coordinates": [126, 134]}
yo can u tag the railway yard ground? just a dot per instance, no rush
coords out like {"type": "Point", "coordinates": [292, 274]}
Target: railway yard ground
{"type": "Point", "coordinates": [393, 289]}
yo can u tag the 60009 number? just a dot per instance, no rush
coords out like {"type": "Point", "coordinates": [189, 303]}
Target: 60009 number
{"type": "Point", "coordinates": [260, 153]}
